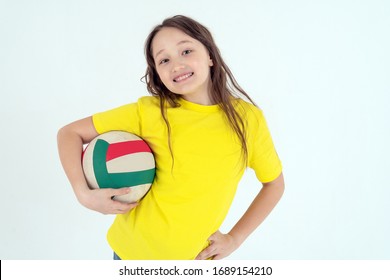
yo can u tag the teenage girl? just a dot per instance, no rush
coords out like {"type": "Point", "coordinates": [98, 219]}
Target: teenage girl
{"type": "Point", "coordinates": [203, 135]}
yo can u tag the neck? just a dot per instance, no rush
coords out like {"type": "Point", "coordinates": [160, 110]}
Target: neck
{"type": "Point", "coordinates": [201, 99]}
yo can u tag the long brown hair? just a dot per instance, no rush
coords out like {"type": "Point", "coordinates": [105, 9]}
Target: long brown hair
{"type": "Point", "coordinates": [223, 84]}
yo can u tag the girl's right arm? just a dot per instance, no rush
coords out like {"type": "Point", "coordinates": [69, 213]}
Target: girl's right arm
{"type": "Point", "coordinates": [70, 141]}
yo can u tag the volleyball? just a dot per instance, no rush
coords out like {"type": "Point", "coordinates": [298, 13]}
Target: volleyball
{"type": "Point", "coordinates": [119, 159]}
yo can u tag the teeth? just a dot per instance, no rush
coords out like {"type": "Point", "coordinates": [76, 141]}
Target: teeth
{"type": "Point", "coordinates": [178, 79]}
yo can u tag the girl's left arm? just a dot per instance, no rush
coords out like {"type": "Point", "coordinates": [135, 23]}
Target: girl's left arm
{"type": "Point", "coordinates": [222, 245]}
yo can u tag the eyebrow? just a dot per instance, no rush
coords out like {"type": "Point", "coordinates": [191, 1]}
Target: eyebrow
{"type": "Point", "coordinates": [180, 43]}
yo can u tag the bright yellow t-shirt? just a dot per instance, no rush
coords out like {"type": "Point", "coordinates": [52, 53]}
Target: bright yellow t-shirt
{"type": "Point", "coordinates": [189, 201]}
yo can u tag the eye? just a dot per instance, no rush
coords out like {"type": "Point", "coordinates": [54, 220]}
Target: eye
{"type": "Point", "coordinates": [163, 61]}
{"type": "Point", "coordinates": [187, 52]}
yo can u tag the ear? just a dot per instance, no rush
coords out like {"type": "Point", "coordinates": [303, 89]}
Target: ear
{"type": "Point", "coordinates": [211, 62]}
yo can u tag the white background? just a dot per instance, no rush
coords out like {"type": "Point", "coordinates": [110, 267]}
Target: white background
{"type": "Point", "coordinates": [318, 69]}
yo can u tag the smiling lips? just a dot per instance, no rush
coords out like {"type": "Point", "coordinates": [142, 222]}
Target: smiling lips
{"type": "Point", "coordinates": [183, 77]}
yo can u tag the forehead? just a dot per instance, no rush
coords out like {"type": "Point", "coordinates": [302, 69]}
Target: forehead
{"type": "Point", "coordinates": [169, 37]}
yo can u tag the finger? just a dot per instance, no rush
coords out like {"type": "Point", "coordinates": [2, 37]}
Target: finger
{"type": "Point", "coordinates": [215, 236]}
{"type": "Point", "coordinates": [117, 202]}
{"type": "Point", "coordinates": [207, 253]}
{"type": "Point", "coordinates": [120, 191]}
{"type": "Point", "coordinates": [216, 258]}
{"type": "Point", "coordinates": [123, 205]}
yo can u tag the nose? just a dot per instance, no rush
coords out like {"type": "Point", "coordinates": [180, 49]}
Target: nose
{"type": "Point", "coordinates": [177, 65]}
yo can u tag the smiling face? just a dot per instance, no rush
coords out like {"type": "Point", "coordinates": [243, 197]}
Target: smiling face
{"type": "Point", "coordinates": [183, 64]}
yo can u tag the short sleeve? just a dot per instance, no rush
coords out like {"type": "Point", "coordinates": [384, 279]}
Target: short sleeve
{"type": "Point", "coordinates": [124, 118]}
{"type": "Point", "coordinates": [263, 158]}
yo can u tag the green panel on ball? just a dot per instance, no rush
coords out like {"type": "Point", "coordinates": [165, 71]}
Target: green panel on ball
{"type": "Point", "coordinates": [116, 180]}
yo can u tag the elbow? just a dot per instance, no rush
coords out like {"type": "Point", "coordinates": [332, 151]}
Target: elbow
{"type": "Point", "coordinates": [61, 133]}
{"type": "Point", "coordinates": [66, 134]}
